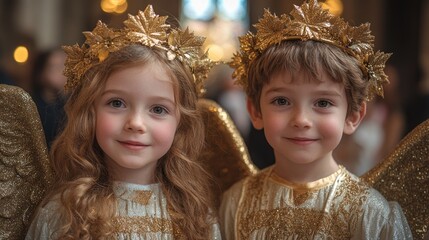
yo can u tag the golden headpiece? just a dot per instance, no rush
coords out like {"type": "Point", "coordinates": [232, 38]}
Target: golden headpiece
{"type": "Point", "coordinates": [146, 29]}
{"type": "Point", "coordinates": [311, 22]}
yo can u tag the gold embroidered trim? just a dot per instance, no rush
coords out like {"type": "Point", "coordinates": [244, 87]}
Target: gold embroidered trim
{"type": "Point", "coordinates": [142, 225]}
{"type": "Point", "coordinates": [300, 222]}
{"type": "Point", "coordinates": [300, 197]}
{"type": "Point", "coordinates": [142, 197]}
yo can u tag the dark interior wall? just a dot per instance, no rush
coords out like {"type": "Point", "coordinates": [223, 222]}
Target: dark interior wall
{"type": "Point", "coordinates": [402, 38]}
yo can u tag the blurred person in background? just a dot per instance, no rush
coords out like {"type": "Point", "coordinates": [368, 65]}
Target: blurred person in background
{"type": "Point", "coordinates": [378, 134]}
{"type": "Point", "coordinates": [48, 90]}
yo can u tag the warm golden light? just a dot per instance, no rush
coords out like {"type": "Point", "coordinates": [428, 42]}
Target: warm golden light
{"type": "Point", "coordinates": [20, 54]}
{"type": "Point", "coordinates": [114, 6]}
{"type": "Point", "coordinates": [121, 8]}
{"type": "Point", "coordinates": [107, 6]}
{"type": "Point", "coordinates": [215, 52]}
{"type": "Point", "coordinates": [229, 49]}
{"type": "Point", "coordinates": [335, 7]}
{"type": "Point", "coordinates": [118, 2]}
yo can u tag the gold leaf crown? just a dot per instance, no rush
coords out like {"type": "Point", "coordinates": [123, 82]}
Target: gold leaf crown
{"type": "Point", "coordinates": [311, 22]}
{"type": "Point", "coordinates": [146, 29]}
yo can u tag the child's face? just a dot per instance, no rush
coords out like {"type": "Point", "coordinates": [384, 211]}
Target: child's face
{"type": "Point", "coordinates": [136, 121]}
{"type": "Point", "coordinates": [303, 120]}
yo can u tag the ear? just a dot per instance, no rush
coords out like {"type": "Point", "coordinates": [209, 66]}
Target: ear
{"type": "Point", "coordinates": [255, 115]}
{"type": "Point", "coordinates": [354, 119]}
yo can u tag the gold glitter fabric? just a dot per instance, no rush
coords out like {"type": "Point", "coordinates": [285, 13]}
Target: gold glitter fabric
{"type": "Point", "coordinates": [404, 177]}
{"type": "Point", "coordinates": [24, 164]}
{"type": "Point", "coordinates": [225, 154]}
{"type": "Point", "coordinates": [339, 206]}
{"type": "Point", "coordinates": [135, 220]}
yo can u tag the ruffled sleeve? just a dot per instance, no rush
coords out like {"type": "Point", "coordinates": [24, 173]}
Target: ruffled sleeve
{"type": "Point", "coordinates": [381, 219]}
{"type": "Point", "coordinates": [45, 223]}
{"type": "Point", "coordinates": [397, 226]}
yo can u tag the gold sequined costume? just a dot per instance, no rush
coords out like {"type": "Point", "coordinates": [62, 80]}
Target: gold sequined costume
{"type": "Point", "coordinates": [339, 206]}
{"type": "Point", "coordinates": [142, 214]}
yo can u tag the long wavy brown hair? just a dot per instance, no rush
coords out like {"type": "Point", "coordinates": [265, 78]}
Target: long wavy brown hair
{"type": "Point", "coordinates": [83, 183]}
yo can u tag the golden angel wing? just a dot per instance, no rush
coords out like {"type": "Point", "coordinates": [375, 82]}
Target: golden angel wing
{"type": "Point", "coordinates": [404, 177]}
{"type": "Point", "coordinates": [24, 165]}
{"type": "Point", "coordinates": [225, 153]}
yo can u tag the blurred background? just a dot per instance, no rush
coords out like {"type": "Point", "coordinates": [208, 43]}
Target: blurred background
{"type": "Point", "coordinates": [32, 32]}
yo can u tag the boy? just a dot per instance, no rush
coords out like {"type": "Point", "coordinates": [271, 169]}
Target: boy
{"type": "Point", "coordinates": [307, 78]}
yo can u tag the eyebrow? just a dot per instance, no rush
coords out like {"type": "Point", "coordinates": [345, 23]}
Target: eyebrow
{"type": "Point", "coordinates": [316, 92]}
{"type": "Point", "coordinates": [116, 91]}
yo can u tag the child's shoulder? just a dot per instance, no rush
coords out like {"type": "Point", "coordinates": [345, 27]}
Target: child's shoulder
{"type": "Point", "coordinates": [50, 209]}
{"type": "Point", "coordinates": [46, 220]}
{"type": "Point", "coordinates": [369, 198]}
{"type": "Point", "coordinates": [253, 181]}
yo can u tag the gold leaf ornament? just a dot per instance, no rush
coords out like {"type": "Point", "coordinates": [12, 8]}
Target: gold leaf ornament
{"type": "Point", "coordinates": [77, 62]}
{"type": "Point", "coordinates": [376, 75]}
{"type": "Point", "coordinates": [147, 29]}
{"type": "Point", "coordinates": [311, 21]}
{"type": "Point", "coordinates": [102, 41]}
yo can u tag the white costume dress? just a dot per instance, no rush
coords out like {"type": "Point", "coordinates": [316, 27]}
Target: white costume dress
{"type": "Point", "coordinates": [142, 214]}
{"type": "Point", "coordinates": [339, 206]}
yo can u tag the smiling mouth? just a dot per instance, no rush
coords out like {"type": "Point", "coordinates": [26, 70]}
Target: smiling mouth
{"type": "Point", "coordinates": [133, 145]}
{"type": "Point", "coordinates": [301, 141]}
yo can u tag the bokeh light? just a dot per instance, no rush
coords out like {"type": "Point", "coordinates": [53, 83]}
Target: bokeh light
{"type": "Point", "coordinates": [20, 54]}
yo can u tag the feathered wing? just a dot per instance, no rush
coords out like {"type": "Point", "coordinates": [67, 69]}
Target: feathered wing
{"type": "Point", "coordinates": [24, 165]}
{"type": "Point", "coordinates": [404, 177]}
{"type": "Point", "coordinates": [225, 154]}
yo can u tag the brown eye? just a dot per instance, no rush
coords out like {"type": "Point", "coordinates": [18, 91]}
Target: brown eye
{"type": "Point", "coordinates": [323, 103]}
{"type": "Point", "coordinates": [281, 101]}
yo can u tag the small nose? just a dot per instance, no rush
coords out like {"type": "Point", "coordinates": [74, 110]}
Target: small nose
{"type": "Point", "coordinates": [136, 122]}
{"type": "Point", "coordinates": [300, 118]}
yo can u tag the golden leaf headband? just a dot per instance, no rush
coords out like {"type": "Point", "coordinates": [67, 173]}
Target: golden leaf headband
{"type": "Point", "coordinates": [146, 29]}
{"type": "Point", "coordinates": [311, 22]}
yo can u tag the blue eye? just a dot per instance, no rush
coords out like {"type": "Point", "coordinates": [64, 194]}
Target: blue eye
{"type": "Point", "coordinates": [159, 110]}
{"type": "Point", "coordinates": [116, 103]}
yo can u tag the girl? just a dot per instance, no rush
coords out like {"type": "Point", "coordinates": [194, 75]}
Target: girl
{"type": "Point", "coordinates": [126, 161]}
